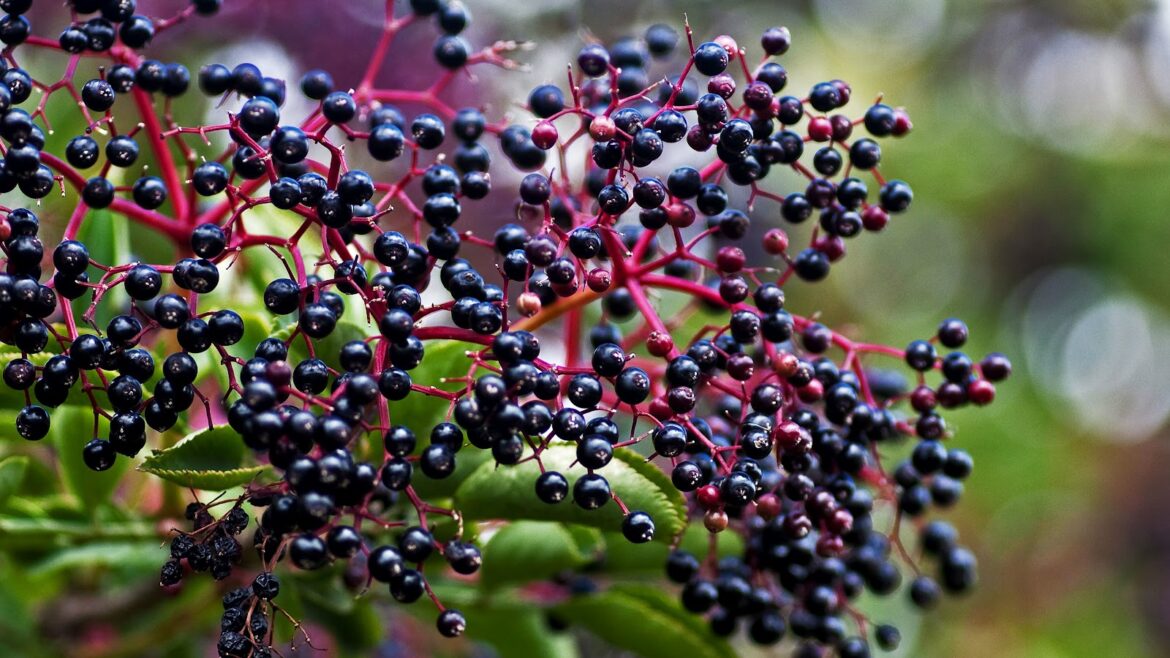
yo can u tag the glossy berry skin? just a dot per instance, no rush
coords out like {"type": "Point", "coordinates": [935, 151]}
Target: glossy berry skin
{"type": "Point", "coordinates": [99, 455]}
{"type": "Point", "coordinates": [308, 552]}
{"type": "Point", "coordinates": [451, 623]}
{"type": "Point", "coordinates": [552, 487]}
{"type": "Point", "coordinates": [591, 491]}
{"type": "Point", "coordinates": [625, 303]}
{"type": "Point", "coordinates": [710, 58]}
{"type": "Point", "coordinates": [638, 527]}
{"type": "Point", "coordinates": [385, 563]}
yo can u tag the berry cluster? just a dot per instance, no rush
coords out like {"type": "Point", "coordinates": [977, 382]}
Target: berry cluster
{"type": "Point", "coordinates": [768, 421]}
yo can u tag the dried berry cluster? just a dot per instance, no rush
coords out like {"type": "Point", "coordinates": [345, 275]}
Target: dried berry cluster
{"type": "Point", "coordinates": [615, 313]}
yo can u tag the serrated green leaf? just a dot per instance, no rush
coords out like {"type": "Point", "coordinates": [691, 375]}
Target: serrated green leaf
{"type": "Point", "coordinates": [12, 470]}
{"type": "Point", "coordinates": [646, 621]}
{"type": "Point", "coordinates": [524, 551]}
{"type": "Point", "coordinates": [71, 429]}
{"type": "Point", "coordinates": [507, 492]}
{"type": "Point", "coordinates": [211, 459]}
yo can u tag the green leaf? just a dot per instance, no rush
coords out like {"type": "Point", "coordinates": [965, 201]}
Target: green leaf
{"type": "Point", "coordinates": [646, 621]}
{"type": "Point", "coordinates": [647, 559]}
{"type": "Point", "coordinates": [256, 329]}
{"type": "Point", "coordinates": [467, 461]}
{"type": "Point", "coordinates": [107, 236]}
{"type": "Point", "coordinates": [71, 429]}
{"type": "Point", "coordinates": [327, 349]}
{"type": "Point", "coordinates": [524, 551]}
{"type": "Point", "coordinates": [12, 470]}
{"type": "Point", "coordinates": [209, 459]}
{"type": "Point", "coordinates": [507, 493]}
{"type": "Point", "coordinates": [445, 359]}
{"type": "Point", "coordinates": [517, 632]}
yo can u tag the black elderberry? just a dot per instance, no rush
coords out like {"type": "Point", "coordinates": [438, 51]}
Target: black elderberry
{"type": "Point", "coordinates": [638, 527]}
{"type": "Point", "coordinates": [552, 487]}
{"type": "Point", "coordinates": [308, 552]}
{"type": "Point", "coordinates": [122, 151]}
{"type": "Point", "coordinates": [99, 454]}
{"type": "Point", "coordinates": [591, 491]}
{"type": "Point", "coordinates": [266, 585]}
{"type": "Point", "coordinates": [710, 58]}
{"type": "Point", "coordinates": [451, 623]}
{"type": "Point", "coordinates": [407, 587]}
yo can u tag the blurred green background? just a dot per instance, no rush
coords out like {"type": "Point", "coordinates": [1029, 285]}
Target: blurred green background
{"type": "Point", "coordinates": [1040, 159]}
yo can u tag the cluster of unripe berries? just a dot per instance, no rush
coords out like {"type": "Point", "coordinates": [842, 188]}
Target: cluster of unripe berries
{"type": "Point", "coordinates": [763, 431]}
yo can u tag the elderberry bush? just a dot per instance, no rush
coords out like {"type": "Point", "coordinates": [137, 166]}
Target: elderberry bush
{"type": "Point", "coordinates": [374, 376]}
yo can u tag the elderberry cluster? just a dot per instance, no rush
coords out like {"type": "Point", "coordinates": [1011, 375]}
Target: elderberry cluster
{"type": "Point", "coordinates": [614, 315]}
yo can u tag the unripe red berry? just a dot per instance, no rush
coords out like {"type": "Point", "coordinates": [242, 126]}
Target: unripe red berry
{"type": "Point", "coordinates": [923, 399]}
{"type": "Point", "coordinates": [722, 85]}
{"type": "Point", "coordinates": [708, 496]}
{"type": "Point", "coordinates": [730, 259]}
{"type": "Point", "coordinates": [758, 96]}
{"type": "Point", "coordinates": [680, 215]}
{"type": "Point", "coordinates": [811, 392]}
{"type": "Point", "coordinates": [820, 129]}
{"type": "Point", "coordinates": [839, 522]}
{"type": "Point", "coordinates": [698, 139]}
{"type": "Point", "coordinates": [832, 246]}
{"type": "Point", "coordinates": [602, 128]}
{"type": "Point", "coordinates": [842, 127]}
{"type": "Point", "coordinates": [844, 91]}
{"type": "Point", "coordinates": [785, 364]}
{"type": "Point", "coordinates": [776, 241]}
{"type": "Point", "coordinates": [830, 545]}
{"type": "Point", "coordinates": [715, 521]}
{"type": "Point", "coordinates": [902, 124]}
{"type": "Point", "coordinates": [660, 409]}
{"type": "Point", "coordinates": [874, 218]}
{"type": "Point", "coordinates": [774, 106]}
{"type": "Point", "coordinates": [768, 506]}
{"type": "Point", "coordinates": [728, 44]}
{"type": "Point", "coordinates": [545, 135]}
{"type": "Point", "coordinates": [659, 343]}
{"type": "Point", "coordinates": [981, 392]}
{"type": "Point", "coordinates": [599, 280]}
{"type": "Point", "coordinates": [528, 304]}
